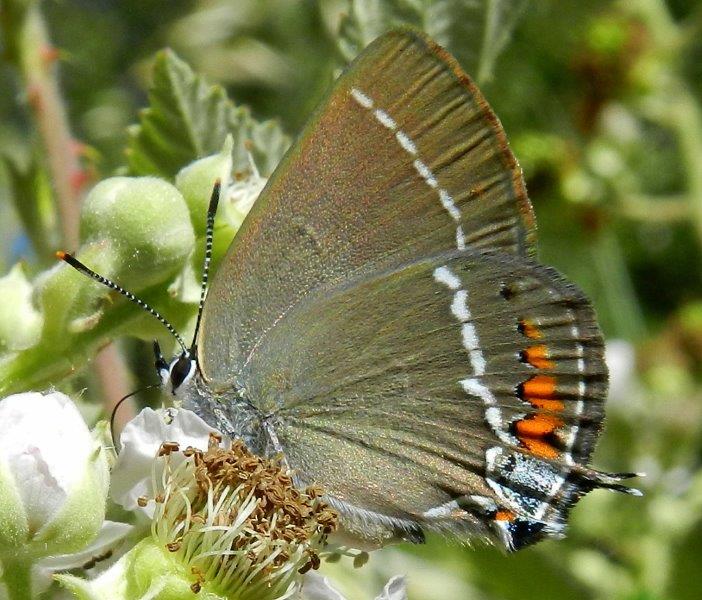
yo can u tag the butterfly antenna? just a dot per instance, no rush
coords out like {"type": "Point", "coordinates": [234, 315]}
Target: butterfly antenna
{"type": "Point", "coordinates": [113, 415]}
{"type": "Point", "coordinates": [209, 236]}
{"type": "Point", "coordinates": [79, 266]}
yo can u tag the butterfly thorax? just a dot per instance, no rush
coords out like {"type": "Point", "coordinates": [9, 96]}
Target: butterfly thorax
{"type": "Point", "coordinates": [231, 411]}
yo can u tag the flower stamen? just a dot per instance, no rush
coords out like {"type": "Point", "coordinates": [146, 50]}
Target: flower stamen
{"type": "Point", "coordinates": [237, 521]}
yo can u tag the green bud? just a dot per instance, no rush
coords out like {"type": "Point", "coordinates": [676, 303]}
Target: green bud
{"type": "Point", "coordinates": [196, 181]}
{"type": "Point", "coordinates": [68, 299]}
{"type": "Point", "coordinates": [53, 477]}
{"type": "Point", "coordinates": [20, 322]}
{"type": "Point", "coordinates": [146, 221]}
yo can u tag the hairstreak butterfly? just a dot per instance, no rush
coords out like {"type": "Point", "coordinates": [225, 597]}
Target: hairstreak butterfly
{"type": "Point", "coordinates": [380, 319]}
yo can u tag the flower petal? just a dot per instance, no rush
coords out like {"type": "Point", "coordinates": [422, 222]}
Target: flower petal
{"type": "Point", "coordinates": [141, 439]}
{"type": "Point", "coordinates": [109, 535]}
{"type": "Point", "coordinates": [46, 445]}
{"type": "Point", "coordinates": [317, 587]}
{"type": "Point", "coordinates": [395, 589]}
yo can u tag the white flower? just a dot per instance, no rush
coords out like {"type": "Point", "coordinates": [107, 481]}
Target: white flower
{"type": "Point", "coordinates": [139, 443]}
{"type": "Point", "coordinates": [318, 587]}
{"type": "Point", "coordinates": [212, 534]}
{"type": "Point", "coordinates": [53, 488]}
{"type": "Point", "coordinates": [224, 521]}
{"type": "Point", "coordinates": [53, 477]}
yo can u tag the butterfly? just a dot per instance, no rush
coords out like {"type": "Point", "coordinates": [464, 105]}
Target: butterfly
{"type": "Point", "coordinates": [380, 319]}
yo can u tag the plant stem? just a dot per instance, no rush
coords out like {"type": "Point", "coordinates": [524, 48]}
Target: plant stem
{"type": "Point", "coordinates": [17, 576]}
{"type": "Point", "coordinates": [688, 124]}
{"type": "Point", "coordinates": [487, 48]}
{"type": "Point", "coordinates": [501, 17]}
{"type": "Point", "coordinates": [114, 375]}
{"type": "Point", "coordinates": [36, 61]}
{"type": "Point", "coordinates": [655, 209]}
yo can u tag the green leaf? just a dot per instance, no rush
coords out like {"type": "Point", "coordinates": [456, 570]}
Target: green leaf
{"type": "Point", "coordinates": [475, 31]}
{"type": "Point", "coordinates": [188, 119]}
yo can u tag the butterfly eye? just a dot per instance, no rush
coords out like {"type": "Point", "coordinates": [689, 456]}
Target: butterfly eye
{"type": "Point", "coordinates": [181, 370]}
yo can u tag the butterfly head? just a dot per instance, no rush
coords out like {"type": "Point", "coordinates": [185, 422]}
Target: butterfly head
{"type": "Point", "coordinates": [178, 372]}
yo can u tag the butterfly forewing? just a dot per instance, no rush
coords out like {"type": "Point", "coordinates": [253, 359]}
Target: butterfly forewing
{"type": "Point", "coordinates": [404, 159]}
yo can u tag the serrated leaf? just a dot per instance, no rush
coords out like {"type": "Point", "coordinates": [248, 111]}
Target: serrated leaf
{"type": "Point", "coordinates": [189, 119]}
{"type": "Point", "coordinates": [475, 31]}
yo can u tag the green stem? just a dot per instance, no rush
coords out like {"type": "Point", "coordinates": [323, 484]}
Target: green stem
{"type": "Point", "coordinates": [501, 17]}
{"type": "Point", "coordinates": [17, 576]}
{"type": "Point", "coordinates": [654, 209]}
{"type": "Point", "coordinates": [49, 114]}
{"type": "Point", "coordinates": [487, 47]}
{"type": "Point", "coordinates": [688, 124]}
{"type": "Point", "coordinates": [609, 262]}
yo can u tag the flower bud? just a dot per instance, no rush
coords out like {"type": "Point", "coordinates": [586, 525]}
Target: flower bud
{"type": "Point", "coordinates": [196, 181]}
{"type": "Point", "coordinates": [146, 221]}
{"type": "Point", "coordinates": [20, 322]}
{"type": "Point", "coordinates": [53, 477]}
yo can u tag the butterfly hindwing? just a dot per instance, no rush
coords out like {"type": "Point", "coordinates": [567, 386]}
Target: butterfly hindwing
{"type": "Point", "coordinates": [410, 390]}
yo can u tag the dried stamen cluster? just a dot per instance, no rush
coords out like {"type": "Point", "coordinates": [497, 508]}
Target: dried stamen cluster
{"type": "Point", "coordinates": [237, 521]}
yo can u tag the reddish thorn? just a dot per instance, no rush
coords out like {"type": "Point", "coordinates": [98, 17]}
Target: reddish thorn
{"type": "Point", "coordinates": [49, 54]}
{"type": "Point", "coordinates": [78, 148]}
{"type": "Point", "coordinates": [34, 97]}
{"type": "Point", "coordinates": [78, 179]}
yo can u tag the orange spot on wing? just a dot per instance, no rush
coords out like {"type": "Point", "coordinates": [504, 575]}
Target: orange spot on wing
{"type": "Point", "coordinates": [532, 432]}
{"type": "Point", "coordinates": [540, 391]}
{"type": "Point", "coordinates": [539, 386]}
{"type": "Point", "coordinates": [548, 405]}
{"type": "Point", "coordinates": [505, 515]}
{"type": "Point", "coordinates": [540, 448]}
{"type": "Point", "coordinates": [538, 425]}
{"type": "Point", "coordinates": [529, 329]}
{"type": "Point", "coordinates": [537, 356]}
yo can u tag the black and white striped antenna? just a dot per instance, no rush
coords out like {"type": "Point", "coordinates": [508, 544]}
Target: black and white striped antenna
{"type": "Point", "coordinates": [209, 234]}
{"type": "Point", "coordinates": [79, 266]}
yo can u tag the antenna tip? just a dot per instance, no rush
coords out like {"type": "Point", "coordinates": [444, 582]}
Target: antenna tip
{"type": "Point", "coordinates": [61, 255]}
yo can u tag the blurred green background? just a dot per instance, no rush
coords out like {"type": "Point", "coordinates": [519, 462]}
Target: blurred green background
{"type": "Point", "coordinates": [601, 101]}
